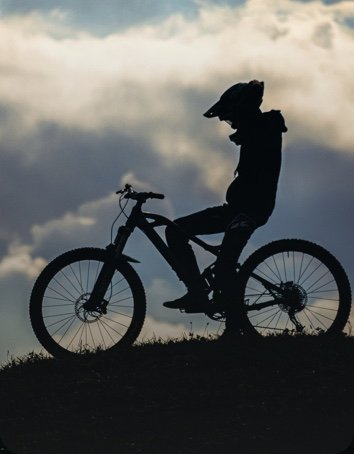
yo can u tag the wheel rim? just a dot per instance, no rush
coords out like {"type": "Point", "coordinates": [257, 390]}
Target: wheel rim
{"type": "Point", "coordinates": [309, 299]}
{"type": "Point", "coordinates": [71, 326]}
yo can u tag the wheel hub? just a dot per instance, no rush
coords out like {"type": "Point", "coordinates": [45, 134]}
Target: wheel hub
{"type": "Point", "coordinates": [88, 316]}
{"type": "Point", "coordinates": [293, 299]}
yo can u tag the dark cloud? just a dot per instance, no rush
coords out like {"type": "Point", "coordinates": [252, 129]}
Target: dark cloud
{"type": "Point", "coordinates": [54, 170]}
{"type": "Point", "coordinates": [315, 200]}
{"type": "Point", "coordinates": [68, 168]}
{"type": "Point", "coordinates": [63, 168]}
{"type": "Point", "coordinates": [74, 167]}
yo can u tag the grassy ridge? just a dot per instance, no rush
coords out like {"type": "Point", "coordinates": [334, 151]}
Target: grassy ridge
{"type": "Point", "coordinates": [273, 395]}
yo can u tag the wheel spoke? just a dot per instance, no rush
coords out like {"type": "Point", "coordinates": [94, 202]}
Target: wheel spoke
{"type": "Point", "coordinates": [280, 314]}
{"type": "Point", "coordinates": [324, 299]}
{"type": "Point", "coordinates": [120, 291]}
{"type": "Point", "coordinates": [76, 278]}
{"type": "Point", "coordinates": [314, 294]}
{"type": "Point", "coordinates": [70, 321]}
{"type": "Point", "coordinates": [312, 315]}
{"type": "Point", "coordinates": [266, 276]}
{"type": "Point", "coordinates": [115, 321]}
{"type": "Point", "coordinates": [317, 314]}
{"type": "Point", "coordinates": [92, 338]}
{"type": "Point", "coordinates": [111, 303]}
{"type": "Point", "coordinates": [312, 272]}
{"type": "Point", "coordinates": [64, 298]}
{"type": "Point", "coordinates": [80, 328]}
{"type": "Point", "coordinates": [278, 275]}
{"type": "Point", "coordinates": [306, 268]}
{"type": "Point", "coordinates": [324, 285]}
{"type": "Point", "coordinates": [58, 314]}
{"type": "Point", "coordinates": [108, 333]}
{"type": "Point", "coordinates": [285, 274]}
{"type": "Point", "coordinates": [120, 313]}
{"type": "Point", "coordinates": [110, 327]}
{"type": "Point", "coordinates": [59, 321]}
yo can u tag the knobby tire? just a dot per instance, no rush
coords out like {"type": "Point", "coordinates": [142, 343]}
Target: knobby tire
{"type": "Point", "coordinates": [318, 280]}
{"type": "Point", "coordinates": [61, 324]}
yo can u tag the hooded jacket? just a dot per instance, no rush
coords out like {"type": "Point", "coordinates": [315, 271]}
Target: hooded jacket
{"type": "Point", "coordinates": [253, 191]}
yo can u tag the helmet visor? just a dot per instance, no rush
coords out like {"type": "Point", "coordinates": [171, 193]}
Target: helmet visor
{"type": "Point", "coordinates": [237, 96]}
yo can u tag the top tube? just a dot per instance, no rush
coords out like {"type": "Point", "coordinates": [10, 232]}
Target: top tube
{"type": "Point", "coordinates": [159, 220]}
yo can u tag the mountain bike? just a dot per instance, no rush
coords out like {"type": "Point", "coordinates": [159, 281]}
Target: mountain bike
{"type": "Point", "coordinates": [92, 299]}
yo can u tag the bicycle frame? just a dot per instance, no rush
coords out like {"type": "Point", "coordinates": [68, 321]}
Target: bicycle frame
{"type": "Point", "coordinates": [137, 219]}
{"type": "Point", "coordinates": [140, 219]}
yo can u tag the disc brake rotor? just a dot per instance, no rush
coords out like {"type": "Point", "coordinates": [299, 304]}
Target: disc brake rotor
{"type": "Point", "coordinates": [85, 315]}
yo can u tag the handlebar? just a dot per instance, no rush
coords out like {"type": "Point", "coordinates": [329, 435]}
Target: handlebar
{"type": "Point", "coordinates": [129, 193]}
{"type": "Point", "coordinates": [143, 196]}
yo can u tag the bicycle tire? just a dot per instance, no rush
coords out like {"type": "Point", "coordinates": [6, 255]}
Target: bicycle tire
{"type": "Point", "coordinates": [319, 298]}
{"type": "Point", "coordinates": [65, 285]}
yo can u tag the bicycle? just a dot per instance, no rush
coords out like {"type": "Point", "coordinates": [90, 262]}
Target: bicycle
{"type": "Point", "coordinates": [92, 299]}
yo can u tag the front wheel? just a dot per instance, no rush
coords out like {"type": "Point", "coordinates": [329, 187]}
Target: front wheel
{"type": "Point", "coordinates": [58, 315]}
{"type": "Point", "coordinates": [294, 286]}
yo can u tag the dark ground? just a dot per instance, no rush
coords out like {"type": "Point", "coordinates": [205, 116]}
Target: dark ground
{"type": "Point", "coordinates": [270, 396]}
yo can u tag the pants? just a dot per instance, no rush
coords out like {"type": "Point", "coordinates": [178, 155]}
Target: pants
{"type": "Point", "coordinates": [238, 228]}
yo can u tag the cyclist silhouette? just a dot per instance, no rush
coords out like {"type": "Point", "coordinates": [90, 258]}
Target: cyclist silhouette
{"type": "Point", "coordinates": [250, 198]}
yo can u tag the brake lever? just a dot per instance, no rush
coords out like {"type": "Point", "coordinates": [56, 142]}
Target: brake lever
{"type": "Point", "coordinates": [127, 188]}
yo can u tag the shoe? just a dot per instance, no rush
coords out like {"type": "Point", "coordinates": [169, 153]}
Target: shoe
{"type": "Point", "coordinates": [191, 303]}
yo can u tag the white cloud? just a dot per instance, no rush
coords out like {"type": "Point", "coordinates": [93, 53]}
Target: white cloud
{"type": "Point", "coordinates": [19, 261]}
{"type": "Point", "coordinates": [68, 224]}
{"type": "Point", "coordinates": [154, 82]}
{"type": "Point", "coordinates": [134, 79]}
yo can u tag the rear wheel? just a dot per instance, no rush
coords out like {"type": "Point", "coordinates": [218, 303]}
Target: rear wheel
{"type": "Point", "coordinates": [313, 295]}
{"type": "Point", "coordinates": [62, 324]}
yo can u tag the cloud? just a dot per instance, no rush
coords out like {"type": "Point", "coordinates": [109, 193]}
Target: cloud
{"type": "Point", "coordinates": [100, 19]}
{"type": "Point", "coordinates": [147, 86]}
{"type": "Point", "coordinates": [106, 81]}
{"type": "Point", "coordinates": [144, 81]}
{"type": "Point", "coordinates": [81, 113]}
{"type": "Point", "coordinates": [19, 261]}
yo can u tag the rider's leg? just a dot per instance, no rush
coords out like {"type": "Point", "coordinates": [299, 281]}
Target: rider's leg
{"type": "Point", "coordinates": [211, 220]}
{"type": "Point", "coordinates": [236, 237]}
{"type": "Point", "coordinates": [187, 266]}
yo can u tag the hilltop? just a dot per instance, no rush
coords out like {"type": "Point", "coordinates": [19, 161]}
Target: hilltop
{"type": "Point", "coordinates": [270, 396]}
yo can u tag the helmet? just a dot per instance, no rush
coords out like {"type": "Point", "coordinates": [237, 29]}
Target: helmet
{"type": "Point", "coordinates": [240, 96]}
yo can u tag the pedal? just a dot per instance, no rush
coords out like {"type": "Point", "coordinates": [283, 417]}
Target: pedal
{"type": "Point", "coordinates": [192, 310]}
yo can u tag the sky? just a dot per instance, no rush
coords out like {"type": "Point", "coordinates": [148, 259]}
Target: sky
{"type": "Point", "coordinates": [97, 94]}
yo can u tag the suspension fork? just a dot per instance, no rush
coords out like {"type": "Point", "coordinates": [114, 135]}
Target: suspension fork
{"type": "Point", "coordinates": [114, 251]}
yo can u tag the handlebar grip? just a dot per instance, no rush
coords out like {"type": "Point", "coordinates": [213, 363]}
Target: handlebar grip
{"type": "Point", "coordinates": [154, 195]}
